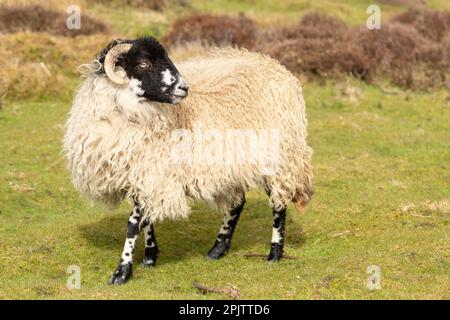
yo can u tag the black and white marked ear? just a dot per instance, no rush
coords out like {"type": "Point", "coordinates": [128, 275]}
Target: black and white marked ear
{"type": "Point", "coordinates": [116, 73]}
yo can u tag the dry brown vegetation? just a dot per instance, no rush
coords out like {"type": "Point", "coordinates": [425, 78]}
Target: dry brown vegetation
{"type": "Point", "coordinates": [42, 64]}
{"type": "Point", "coordinates": [433, 25]}
{"type": "Point", "coordinates": [156, 5]}
{"type": "Point", "coordinates": [221, 30]}
{"type": "Point", "coordinates": [412, 49]}
{"type": "Point", "coordinates": [36, 18]}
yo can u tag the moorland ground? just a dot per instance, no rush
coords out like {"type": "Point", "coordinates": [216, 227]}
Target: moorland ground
{"type": "Point", "coordinates": [381, 163]}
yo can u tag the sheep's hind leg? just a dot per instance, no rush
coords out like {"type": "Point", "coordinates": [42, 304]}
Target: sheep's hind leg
{"type": "Point", "coordinates": [151, 247]}
{"type": "Point", "coordinates": [223, 241]}
{"type": "Point", "coordinates": [277, 243]}
{"type": "Point", "coordinates": [124, 269]}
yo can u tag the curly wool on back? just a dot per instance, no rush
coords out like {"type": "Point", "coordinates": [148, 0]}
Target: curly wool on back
{"type": "Point", "coordinates": [121, 147]}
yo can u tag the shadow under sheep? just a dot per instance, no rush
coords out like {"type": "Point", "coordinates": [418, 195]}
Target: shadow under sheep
{"type": "Point", "coordinates": [186, 238]}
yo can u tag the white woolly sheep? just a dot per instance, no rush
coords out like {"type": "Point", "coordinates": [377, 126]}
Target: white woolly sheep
{"type": "Point", "coordinates": [133, 132]}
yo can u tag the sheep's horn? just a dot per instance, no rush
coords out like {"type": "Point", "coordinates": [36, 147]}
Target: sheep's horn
{"type": "Point", "coordinates": [110, 62]}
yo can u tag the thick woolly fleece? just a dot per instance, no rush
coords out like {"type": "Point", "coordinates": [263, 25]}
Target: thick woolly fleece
{"type": "Point", "coordinates": [120, 146]}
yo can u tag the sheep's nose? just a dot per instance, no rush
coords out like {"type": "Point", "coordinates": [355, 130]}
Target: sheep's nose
{"type": "Point", "coordinates": [184, 86]}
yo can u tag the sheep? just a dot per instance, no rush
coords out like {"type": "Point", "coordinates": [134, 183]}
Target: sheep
{"type": "Point", "coordinates": [132, 133]}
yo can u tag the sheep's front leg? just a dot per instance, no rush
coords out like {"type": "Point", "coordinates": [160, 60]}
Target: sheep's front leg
{"type": "Point", "coordinates": [277, 243]}
{"type": "Point", "coordinates": [151, 247]}
{"type": "Point", "coordinates": [223, 241]}
{"type": "Point", "coordinates": [124, 269]}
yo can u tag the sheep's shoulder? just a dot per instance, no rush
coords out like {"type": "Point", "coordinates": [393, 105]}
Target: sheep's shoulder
{"type": "Point", "coordinates": [228, 67]}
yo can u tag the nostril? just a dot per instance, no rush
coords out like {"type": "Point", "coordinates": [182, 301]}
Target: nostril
{"type": "Point", "coordinates": [184, 87]}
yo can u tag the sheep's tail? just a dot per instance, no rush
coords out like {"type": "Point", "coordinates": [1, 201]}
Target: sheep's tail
{"type": "Point", "coordinates": [305, 192]}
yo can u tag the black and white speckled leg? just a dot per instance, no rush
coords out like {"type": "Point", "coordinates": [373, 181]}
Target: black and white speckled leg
{"type": "Point", "coordinates": [151, 247]}
{"type": "Point", "coordinates": [277, 243]}
{"type": "Point", "coordinates": [223, 241]}
{"type": "Point", "coordinates": [124, 269]}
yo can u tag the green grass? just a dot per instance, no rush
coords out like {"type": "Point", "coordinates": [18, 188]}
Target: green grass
{"type": "Point", "coordinates": [376, 151]}
{"type": "Point", "coordinates": [372, 156]}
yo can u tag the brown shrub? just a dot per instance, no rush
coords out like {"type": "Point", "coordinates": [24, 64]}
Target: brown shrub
{"type": "Point", "coordinates": [321, 57]}
{"type": "Point", "coordinates": [219, 30]}
{"type": "Point", "coordinates": [156, 5]}
{"type": "Point", "coordinates": [324, 46]}
{"type": "Point", "coordinates": [401, 53]}
{"type": "Point", "coordinates": [39, 19]}
{"type": "Point", "coordinates": [317, 45]}
{"type": "Point", "coordinates": [316, 26]}
{"type": "Point", "coordinates": [446, 47]}
{"type": "Point", "coordinates": [433, 25]}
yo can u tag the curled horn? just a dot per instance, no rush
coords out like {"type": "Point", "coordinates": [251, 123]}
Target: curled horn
{"type": "Point", "coordinates": [110, 62]}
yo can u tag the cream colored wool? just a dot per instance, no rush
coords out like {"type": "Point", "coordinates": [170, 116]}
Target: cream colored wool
{"type": "Point", "coordinates": [121, 147]}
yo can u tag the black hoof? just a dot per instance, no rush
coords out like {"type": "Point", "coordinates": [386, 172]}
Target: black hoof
{"type": "Point", "coordinates": [276, 253]}
{"type": "Point", "coordinates": [151, 253]}
{"type": "Point", "coordinates": [219, 249]}
{"type": "Point", "coordinates": [121, 275]}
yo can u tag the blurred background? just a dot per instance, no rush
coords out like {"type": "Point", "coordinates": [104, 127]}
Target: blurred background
{"type": "Point", "coordinates": [378, 103]}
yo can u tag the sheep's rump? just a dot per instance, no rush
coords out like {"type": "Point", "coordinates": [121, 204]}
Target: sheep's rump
{"type": "Point", "coordinates": [150, 152]}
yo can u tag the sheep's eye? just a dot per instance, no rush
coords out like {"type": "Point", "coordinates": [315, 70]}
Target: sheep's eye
{"type": "Point", "coordinates": [144, 65]}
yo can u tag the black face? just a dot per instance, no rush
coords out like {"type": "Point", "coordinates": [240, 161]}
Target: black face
{"type": "Point", "coordinates": [148, 62]}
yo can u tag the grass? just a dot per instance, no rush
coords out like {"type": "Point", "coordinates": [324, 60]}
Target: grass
{"type": "Point", "coordinates": [373, 156]}
{"type": "Point", "coordinates": [382, 166]}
